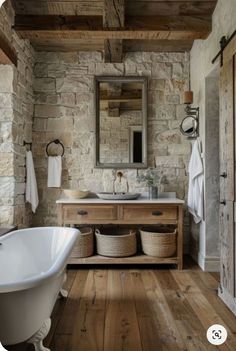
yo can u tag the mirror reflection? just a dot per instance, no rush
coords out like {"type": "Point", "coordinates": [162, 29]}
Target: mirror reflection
{"type": "Point", "coordinates": [189, 126]}
{"type": "Point", "coordinates": [121, 122]}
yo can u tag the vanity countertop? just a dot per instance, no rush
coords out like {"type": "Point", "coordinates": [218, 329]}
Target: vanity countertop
{"type": "Point", "coordinates": [140, 200]}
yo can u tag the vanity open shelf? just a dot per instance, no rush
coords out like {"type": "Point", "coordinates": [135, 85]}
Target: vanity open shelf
{"type": "Point", "coordinates": [128, 212]}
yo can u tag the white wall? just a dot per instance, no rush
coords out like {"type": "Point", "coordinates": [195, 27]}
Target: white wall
{"type": "Point", "coordinates": [202, 53]}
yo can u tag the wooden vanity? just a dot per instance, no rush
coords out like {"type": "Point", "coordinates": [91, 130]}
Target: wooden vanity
{"type": "Point", "coordinates": [92, 211]}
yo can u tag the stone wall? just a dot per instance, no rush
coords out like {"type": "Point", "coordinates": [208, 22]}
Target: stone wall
{"type": "Point", "coordinates": [64, 96]}
{"type": "Point", "coordinates": [205, 242]}
{"type": "Point", "coordinates": [16, 111]}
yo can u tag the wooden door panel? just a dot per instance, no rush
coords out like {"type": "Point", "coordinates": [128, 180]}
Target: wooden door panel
{"type": "Point", "coordinates": [227, 277]}
{"type": "Point", "coordinates": [227, 132]}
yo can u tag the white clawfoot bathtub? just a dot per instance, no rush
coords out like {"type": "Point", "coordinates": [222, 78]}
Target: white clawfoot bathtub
{"type": "Point", "coordinates": [32, 271]}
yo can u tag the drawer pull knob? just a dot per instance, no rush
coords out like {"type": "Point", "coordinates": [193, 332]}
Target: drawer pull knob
{"type": "Point", "coordinates": [157, 213]}
{"type": "Point", "coordinates": [82, 213]}
{"type": "Point", "coordinates": [223, 202]}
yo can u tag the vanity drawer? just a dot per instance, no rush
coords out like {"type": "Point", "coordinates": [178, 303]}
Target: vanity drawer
{"type": "Point", "coordinates": [85, 213]}
{"type": "Point", "coordinates": [148, 212]}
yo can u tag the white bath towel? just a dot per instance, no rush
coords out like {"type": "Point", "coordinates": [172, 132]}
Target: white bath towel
{"type": "Point", "coordinates": [196, 184]}
{"type": "Point", "coordinates": [31, 183]}
{"type": "Point", "coordinates": [54, 171]}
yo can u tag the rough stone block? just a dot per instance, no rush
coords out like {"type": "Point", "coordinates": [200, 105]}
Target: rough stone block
{"type": "Point", "coordinates": [7, 187]}
{"type": "Point", "coordinates": [49, 111]}
{"type": "Point", "coordinates": [180, 149]}
{"type": "Point", "coordinates": [173, 99]}
{"type": "Point", "coordinates": [177, 70]}
{"type": "Point", "coordinates": [157, 84]}
{"type": "Point", "coordinates": [74, 84]}
{"type": "Point", "coordinates": [161, 70]}
{"type": "Point", "coordinates": [7, 165]}
{"type": "Point", "coordinates": [41, 70]}
{"type": "Point", "coordinates": [6, 215]}
{"type": "Point", "coordinates": [6, 79]}
{"type": "Point", "coordinates": [6, 100]}
{"type": "Point", "coordinates": [60, 124]}
{"type": "Point", "coordinates": [169, 136]}
{"type": "Point", "coordinates": [44, 84]}
{"type": "Point", "coordinates": [68, 99]}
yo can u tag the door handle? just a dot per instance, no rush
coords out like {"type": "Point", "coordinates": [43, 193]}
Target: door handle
{"type": "Point", "coordinates": [223, 175]}
{"type": "Point", "coordinates": [223, 202]}
{"type": "Point", "coordinates": [157, 213]}
{"type": "Point", "coordinates": [82, 212]}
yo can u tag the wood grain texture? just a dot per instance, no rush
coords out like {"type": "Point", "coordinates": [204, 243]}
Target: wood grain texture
{"type": "Point", "coordinates": [136, 215]}
{"type": "Point", "coordinates": [157, 45]}
{"type": "Point", "coordinates": [138, 310]}
{"type": "Point", "coordinates": [227, 128]}
{"type": "Point", "coordinates": [142, 20]}
{"type": "Point", "coordinates": [59, 7]}
{"type": "Point", "coordinates": [166, 8]}
{"type": "Point", "coordinates": [133, 7]}
{"type": "Point", "coordinates": [7, 54]}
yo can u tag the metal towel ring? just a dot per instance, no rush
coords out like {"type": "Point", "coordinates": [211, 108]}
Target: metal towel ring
{"type": "Point", "coordinates": [56, 141]}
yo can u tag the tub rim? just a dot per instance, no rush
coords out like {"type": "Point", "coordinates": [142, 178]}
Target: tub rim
{"type": "Point", "coordinates": [56, 267]}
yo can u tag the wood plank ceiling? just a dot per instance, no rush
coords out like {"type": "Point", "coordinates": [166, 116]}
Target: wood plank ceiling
{"type": "Point", "coordinates": [114, 26]}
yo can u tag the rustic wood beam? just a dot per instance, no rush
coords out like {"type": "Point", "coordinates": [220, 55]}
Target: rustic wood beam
{"type": "Point", "coordinates": [170, 8]}
{"type": "Point", "coordinates": [157, 45]}
{"type": "Point", "coordinates": [7, 53]}
{"type": "Point", "coordinates": [107, 34]}
{"type": "Point", "coordinates": [52, 22]}
{"type": "Point", "coordinates": [91, 27]}
{"type": "Point", "coordinates": [113, 17]}
{"type": "Point", "coordinates": [59, 7]}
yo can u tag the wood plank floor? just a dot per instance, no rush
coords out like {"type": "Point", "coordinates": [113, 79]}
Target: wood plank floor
{"type": "Point", "coordinates": [138, 310]}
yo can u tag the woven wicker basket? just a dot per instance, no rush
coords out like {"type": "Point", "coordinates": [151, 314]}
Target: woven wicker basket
{"type": "Point", "coordinates": [159, 241]}
{"type": "Point", "coordinates": [116, 244]}
{"type": "Point", "coordinates": [84, 246]}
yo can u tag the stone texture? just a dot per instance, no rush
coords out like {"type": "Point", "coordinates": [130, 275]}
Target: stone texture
{"type": "Point", "coordinates": [167, 148]}
{"type": "Point", "coordinates": [6, 79]}
{"type": "Point", "coordinates": [16, 111]}
{"type": "Point", "coordinates": [44, 84]}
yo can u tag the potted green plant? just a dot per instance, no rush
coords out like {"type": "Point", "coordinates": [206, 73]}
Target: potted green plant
{"type": "Point", "coordinates": [151, 179]}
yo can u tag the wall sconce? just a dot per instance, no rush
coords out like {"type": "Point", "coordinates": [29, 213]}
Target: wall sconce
{"type": "Point", "coordinates": [190, 124]}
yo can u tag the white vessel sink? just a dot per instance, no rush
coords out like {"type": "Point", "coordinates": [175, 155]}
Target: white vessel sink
{"type": "Point", "coordinates": [118, 196]}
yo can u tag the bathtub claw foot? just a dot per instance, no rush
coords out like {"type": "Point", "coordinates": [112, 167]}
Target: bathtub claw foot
{"type": "Point", "coordinates": [37, 338]}
{"type": "Point", "coordinates": [63, 293]}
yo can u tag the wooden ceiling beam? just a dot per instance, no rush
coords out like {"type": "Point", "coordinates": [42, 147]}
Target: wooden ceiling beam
{"type": "Point", "coordinates": [59, 7]}
{"type": "Point", "coordinates": [157, 45]}
{"type": "Point", "coordinates": [113, 17]}
{"type": "Point", "coordinates": [138, 27]}
{"type": "Point", "coordinates": [7, 53]}
{"type": "Point", "coordinates": [52, 22]}
{"type": "Point", "coordinates": [108, 34]}
{"type": "Point", "coordinates": [167, 8]}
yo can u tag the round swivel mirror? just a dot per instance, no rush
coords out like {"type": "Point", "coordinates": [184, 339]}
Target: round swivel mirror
{"type": "Point", "coordinates": [189, 126]}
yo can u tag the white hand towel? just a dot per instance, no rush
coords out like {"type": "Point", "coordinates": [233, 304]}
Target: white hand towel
{"type": "Point", "coordinates": [31, 183]}
{"type": "Point", "coordinates": [54, 171]}
{"type": "Point", "coordinates": [196, 185]}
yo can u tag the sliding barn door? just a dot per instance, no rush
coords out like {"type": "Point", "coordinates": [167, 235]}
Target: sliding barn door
{"type": "Point", "coordinates": [227, 288]}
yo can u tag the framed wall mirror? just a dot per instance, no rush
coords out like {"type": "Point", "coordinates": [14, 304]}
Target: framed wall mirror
{"type": "Point", "coordinates": [121, 122]}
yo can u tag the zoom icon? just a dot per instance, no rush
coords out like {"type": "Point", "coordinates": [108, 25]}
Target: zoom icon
{"type": "Point", "coordinates": [217, 334]}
